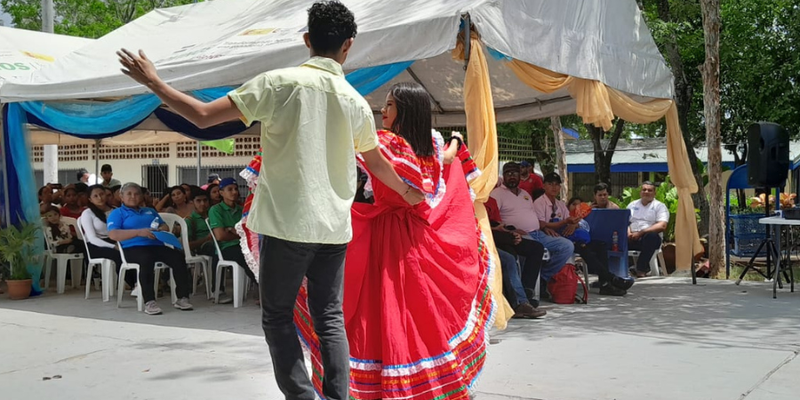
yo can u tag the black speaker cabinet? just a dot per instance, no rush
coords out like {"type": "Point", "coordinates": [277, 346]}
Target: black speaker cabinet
{"type": "Point", "coordinates": [767, 155]}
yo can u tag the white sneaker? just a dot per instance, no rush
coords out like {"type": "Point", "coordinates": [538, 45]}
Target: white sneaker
{"type": "Point", "coordinates": [183, 304]}
{"type": "Point", "coordinates": [137, 291]}
{"type": "Point", "coordinates": [151, 308]}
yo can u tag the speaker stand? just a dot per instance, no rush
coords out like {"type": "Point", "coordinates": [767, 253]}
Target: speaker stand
{"type": "Point", "coordinates": [768, 245]}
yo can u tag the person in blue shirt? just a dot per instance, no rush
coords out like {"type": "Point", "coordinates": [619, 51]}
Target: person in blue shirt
{"type": "Point", "coordinates": [132, 226]}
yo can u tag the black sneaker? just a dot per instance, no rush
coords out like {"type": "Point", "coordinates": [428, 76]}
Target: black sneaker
{"type": "Point", "coordinates": [610, 290]}
{"type": "Point", "coordinates": [622, 283]}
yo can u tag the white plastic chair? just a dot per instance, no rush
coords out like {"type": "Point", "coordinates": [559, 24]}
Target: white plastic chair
{"type": "Point", "coordinates": [129, 266]}
{"type": "Point", "coordinates": [656, 262]}
{"type": "Point", "coordinates": [62, 260]}
{"type": "Point", "coordinates": [239, 277]}
{"type": "Point", "coordinates": [192, 261]}
{"type": "Point", "coordinates": [106, 266]}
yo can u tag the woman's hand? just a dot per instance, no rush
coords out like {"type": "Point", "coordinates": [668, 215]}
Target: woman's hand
{"type": "Point", "coordinates": [413, 196]}
{"type": "Point", "coordinates": [138, 67]}
{"type": "Point", "coordinates": [146, 233]}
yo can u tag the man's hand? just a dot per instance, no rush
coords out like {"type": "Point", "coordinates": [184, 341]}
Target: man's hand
{"type": "Point", "coordinates": [570, 229]}
{"type": "Point", "coordinates": [521, 232]}
{"type": "Point", "coordinates": [573, 220]}
{"type": "Point", "coordinates": [138, 67]}
{"type": "Point", "coordinates": [413, 196]}
{"type": "Point", "coordinates": [635, 236]}
{"type": "Point", "coordinates": [517, 238]}
{"type": "Point", "coordinates": [550, 232]}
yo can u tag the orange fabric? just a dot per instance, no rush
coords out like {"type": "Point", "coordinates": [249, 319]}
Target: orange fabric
{"type": "Point", "coordinates": [597, 104]}
{"type": "Point", "coordinates": [482, 138]}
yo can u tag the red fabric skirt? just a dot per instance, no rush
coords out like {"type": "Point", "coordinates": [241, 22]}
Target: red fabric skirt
{"type": "Point", "coordinates": [417, 300]}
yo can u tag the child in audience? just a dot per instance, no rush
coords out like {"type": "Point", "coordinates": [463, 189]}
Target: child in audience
{"type": "Point", "coordinates": [71, 208]}
{"type": "Point", "coordinates": [59, 233]}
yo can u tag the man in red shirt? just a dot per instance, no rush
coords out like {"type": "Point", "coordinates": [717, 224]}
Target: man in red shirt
{"type": "Point", "coordinates": [529, 181]}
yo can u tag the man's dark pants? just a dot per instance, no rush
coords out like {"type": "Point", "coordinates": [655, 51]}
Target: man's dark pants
{"type": "Point", "coordinates": [284, 264]}
{"type": "Point", "coordinates": [647, 245]}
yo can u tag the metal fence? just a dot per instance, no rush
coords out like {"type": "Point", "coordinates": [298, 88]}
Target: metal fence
{"type": "Point", "coordinates": [156, 179]}
{"type": "Point", "coordinates": [582, 184]}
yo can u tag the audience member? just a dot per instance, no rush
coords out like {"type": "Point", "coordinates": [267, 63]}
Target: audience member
{"type": "Point", "coordinates": [71, 208]}
{"type": "Point", "coordinates": [213, 194]}
{"type": "Point", "coordinates": [528, 180]}
{"type": "Point", "coordinates": [174, 201]}
{"type": "Point", "coordinates": [107, 174]}
{"type": "Point", "coordinates": [213, 179]}
{"type": "Point", "coordinates": [199, 235]}
{"type": "Point", "coordinates": [601, 200]}
{"type": "Point", "coordinates": [94, 223]}
{"type": "Point", "coordinates": [517, 209]}
{"type": "Point", "coordinates": [649, 219]}
{"type": "Point", "coordinates": [223, 218]}
{"type": "Point", "coordinates": [133, 227]}
{"type": "Point", "coordinates": [83, 176]}
{"type": "Point", "coordinates": [60, 234]}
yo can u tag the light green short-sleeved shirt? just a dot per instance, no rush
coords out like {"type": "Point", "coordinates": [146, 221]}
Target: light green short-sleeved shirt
{"type": "Point", "coordinates": [312, 124]}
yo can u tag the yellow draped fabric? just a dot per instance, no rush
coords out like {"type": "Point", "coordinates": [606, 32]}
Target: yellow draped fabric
{"type": "Point", "coordinates": [482, 138]}
{"type": "Point", "coordinates": [597, 104]}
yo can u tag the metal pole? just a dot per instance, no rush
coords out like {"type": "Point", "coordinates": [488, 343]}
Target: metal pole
{"type": "Point", "coordinates": [199, 182]}
{"type": "Point", "coordinates": [50, 160]}
{"type": "Point", "coordinates": [97, 161]}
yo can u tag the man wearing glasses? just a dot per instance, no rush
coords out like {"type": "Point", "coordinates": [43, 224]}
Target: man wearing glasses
{"type": "Point", "coordinates": [517, 209]}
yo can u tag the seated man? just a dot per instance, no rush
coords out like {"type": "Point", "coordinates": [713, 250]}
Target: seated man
{"type": "Point", "coordinates": [649, 218]}
{"type": "Point", "coordinates": [516, 209]}
{"type": "Point", "coordinates": [511, 244]}
{"type": "Point", "coordinates": [555, 219]}
{"type": "Point", "coordinates": [223, 218]}
{"type": "Point", "coordinates": [199, 236]}
{"type": "Point", "coordinates": [601, 197]}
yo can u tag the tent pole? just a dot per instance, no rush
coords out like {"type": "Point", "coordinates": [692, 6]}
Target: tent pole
{"type": "Point", "coordinates": [198, 163]}
{"type": "Point", "coordinates": [96, 160]}
{"type": "Point", "coordinates": [467, 42]}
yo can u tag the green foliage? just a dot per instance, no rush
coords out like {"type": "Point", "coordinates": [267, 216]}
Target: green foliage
{"type": "Point", "coordinates": [17, 246]}
{"type": "Point", "coordinates": [85, 18]}
{"type": "Point", "coordinates": [759, 61]}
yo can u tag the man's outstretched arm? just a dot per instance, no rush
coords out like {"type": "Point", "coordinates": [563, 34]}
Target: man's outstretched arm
{"type": "Point", "coordinates": [202, 114]}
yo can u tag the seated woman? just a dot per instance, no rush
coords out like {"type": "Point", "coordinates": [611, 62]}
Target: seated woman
{"type": "Point", "coordinates": [133, 227]}
{"type": "Point", "coordinates": [175, 202]}
{"type": "Point", "coordinates": [71, 208]}
{"type": "Point", "coordinates": [93, 221]}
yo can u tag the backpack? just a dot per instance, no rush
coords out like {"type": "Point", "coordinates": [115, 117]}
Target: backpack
{"type": "Point", "coordinates": [563, 287]}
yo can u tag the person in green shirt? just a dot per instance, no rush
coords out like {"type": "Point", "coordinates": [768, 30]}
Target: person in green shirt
{"type": "Point", "coordinates": [223, 218]}
{"type": "Point", "coordinates": [199, 235]}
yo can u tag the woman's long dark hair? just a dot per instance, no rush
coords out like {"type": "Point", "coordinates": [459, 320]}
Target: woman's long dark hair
{"type": "Point", "coordinates": [100, 214]}
{"type": "Point", "coordinates": [413, 120]}
{"type": "Point", "coordinates": [171, 203]}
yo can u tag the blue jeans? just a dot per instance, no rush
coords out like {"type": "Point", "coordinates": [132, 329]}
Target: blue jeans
{"type": "Point", "coordinates": [511, 276]}
{"type": "Point", "coordinates": [560, 248]}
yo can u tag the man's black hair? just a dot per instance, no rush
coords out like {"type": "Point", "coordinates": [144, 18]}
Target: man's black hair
{"type": "Point", "coordinates": [81, 173]}
{"type": "Point", "coordinates": [330, 24]}
{"type": "Point", "coordinates": [106, 168]}
{"type": "Point", "coordinates": [600, 187]}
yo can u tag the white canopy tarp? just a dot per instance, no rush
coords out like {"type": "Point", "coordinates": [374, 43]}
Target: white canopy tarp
{"type": "Point", "coordinates": [225, 42]}
{"type": "Point", "coordinates": [22, 52]}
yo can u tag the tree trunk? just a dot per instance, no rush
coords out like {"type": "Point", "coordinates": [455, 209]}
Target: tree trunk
{"type": "Point", "coordinates": [561, 155]}
{"type": "Point", "coordinates": [684, 93]}
{"type": "Point", "coordinates": [716, 237]}
{"type": "Point", "coordinates": [603, 156]}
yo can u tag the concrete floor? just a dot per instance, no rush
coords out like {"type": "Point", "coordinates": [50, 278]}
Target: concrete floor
{"type": "Point", "coordinates": [666, 340]}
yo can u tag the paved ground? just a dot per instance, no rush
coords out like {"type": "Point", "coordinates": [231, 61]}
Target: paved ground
{"type": "Point", "coordinates": [666, 340]}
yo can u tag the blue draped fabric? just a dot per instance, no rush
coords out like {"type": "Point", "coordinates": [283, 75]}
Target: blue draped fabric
{"type": "Point", "coordinates": [95, 120]}
{"type": "Point", "coordinates": [23, 203]}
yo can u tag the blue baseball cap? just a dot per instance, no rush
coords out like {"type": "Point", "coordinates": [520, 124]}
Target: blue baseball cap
{"type": "Point", "coordinates": [226, 182]}
{"type": "Point", "coordinates": [524, 164]}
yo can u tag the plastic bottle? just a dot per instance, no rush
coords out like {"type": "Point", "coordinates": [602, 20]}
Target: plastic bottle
{"type": "Point", "coordinates": [154, 225]}
{"type": "Point", "coordinates": [615, 241]}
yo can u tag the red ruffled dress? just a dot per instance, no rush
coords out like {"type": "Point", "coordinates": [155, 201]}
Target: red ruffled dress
{"type": "Point", "coordinates": [417, 299]}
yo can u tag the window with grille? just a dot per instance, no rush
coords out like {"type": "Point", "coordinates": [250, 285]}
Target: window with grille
{"type": "Point", "coordinates": [245, 146]}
